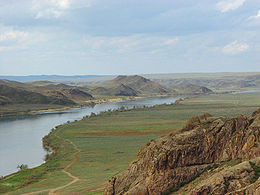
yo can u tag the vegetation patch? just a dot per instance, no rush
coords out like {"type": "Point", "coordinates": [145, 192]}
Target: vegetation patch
{"type": "Point", "coordinates": [256, 170]}
{"type": "Point", "coordinates": [126, 188]}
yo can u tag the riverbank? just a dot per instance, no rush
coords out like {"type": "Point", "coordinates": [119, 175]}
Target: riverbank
{"type": "Point", "coordinates": [109, 141]}
{"type": "Point", "coordinates": [32, 109]}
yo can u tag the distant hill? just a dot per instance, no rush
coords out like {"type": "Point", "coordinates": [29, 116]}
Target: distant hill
{"type": "Point", "coordinates": [129, 86]}
{"type": "Point", "coordinates": [192, 89]}
{"type": "Point", "coordinates": [76, 94]}
{"type": "Point", "coordinates": [218, 81]}
{"type": "Point", "coordinates": [44, 92]}
{"type": "Point", "coordinates": [11, 95]}
{"type": "Point", "coordinates": [141, 84]}
{"type": "Point", "coordinates": [138, 85]}
{"type": "Point", "coordinates": [12, 83]}
{"type": "Point", "coordinates": [117, 90]}
{"type": "Point", "coordinates": [71, 92]}
{"type": "Point", "coordinates": [48, 92]}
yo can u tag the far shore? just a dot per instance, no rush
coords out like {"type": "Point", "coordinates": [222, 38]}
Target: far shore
{"type": "Point", "coordinates": [79, 105]}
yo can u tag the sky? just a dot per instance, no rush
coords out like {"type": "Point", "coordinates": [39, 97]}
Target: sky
{"type": "Point", "coordinates": [84, 37]}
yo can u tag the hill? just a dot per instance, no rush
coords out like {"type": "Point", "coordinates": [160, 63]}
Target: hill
{"type": "Point", "coordinates": [221, 155]}
{"type": "Point", "coordinates": [129, 86]}
{"type": "Point", "coordinates": [191, 89]}
{"type": "Point", "coordinates": [74, 93]}
{"type": "Point", "coordinates": [12, 95]}
{"type": "Point", "coordinates": [41, 92]}
{"type": "Point", "coordinates": [138, 85]}
{"type": "Point", "coordinates": [219, 81]}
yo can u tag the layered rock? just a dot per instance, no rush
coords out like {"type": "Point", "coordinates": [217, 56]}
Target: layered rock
{"type": "Point", "coordinates": [238, 179]}
{"type": "Point", "coordinates": [174, 160]}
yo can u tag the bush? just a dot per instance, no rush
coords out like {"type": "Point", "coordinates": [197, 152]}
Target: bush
{"type": "Point", "coordinates": [22, 167]}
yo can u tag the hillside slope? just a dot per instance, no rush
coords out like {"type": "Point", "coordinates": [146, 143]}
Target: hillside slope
{"type": "Point", "coordinates": [18, 95]}
{"type": "Point", "coordinates": [191, 89]}
{"type": "Point", "coordinates": [41, 92]}
{"type": "Point", "coordinates": [129, 86]}
{"type": "Point", "coordinates": [166, 164]}
{"type": "Point", "coordinates": [231, 82]}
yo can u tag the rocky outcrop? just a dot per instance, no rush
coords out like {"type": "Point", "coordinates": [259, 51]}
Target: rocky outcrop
{"type": "Point", "coordinates": [176, 159]}
{"type": "Point", "coordinates": [238, 179]}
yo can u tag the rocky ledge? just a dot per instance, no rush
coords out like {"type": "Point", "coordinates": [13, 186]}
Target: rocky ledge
{"type": "Point", "coordinates": [170, 162]}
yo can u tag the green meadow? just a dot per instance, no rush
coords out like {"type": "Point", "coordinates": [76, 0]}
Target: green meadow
{"type": "Point", "coordinates": [108, 142]}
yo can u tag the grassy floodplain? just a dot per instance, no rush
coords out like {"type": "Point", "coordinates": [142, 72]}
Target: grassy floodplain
{"type": "Point", "coordinates": [96, 148]}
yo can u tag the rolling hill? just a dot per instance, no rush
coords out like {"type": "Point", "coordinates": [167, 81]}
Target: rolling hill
{"type": "Point", "coordinates": [48, 92]}
{"type": "Point", "coordinates": [191, 89]}
{"type": "Point", "coordinates": [12, 95]}
{"type": "Point", "coordinates": [129, 86]}
{"type": "Point", "coordinates": [217, 81]}
{"type": "Point", "coordinates": [12, 92]}
{"type": "Point", "coordinates": [138, 85]}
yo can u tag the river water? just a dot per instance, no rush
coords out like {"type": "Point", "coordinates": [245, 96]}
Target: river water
{"type": "Point", "coordinates": [247, 91]}
{"type": "Point", "coordinates": [21, 137]}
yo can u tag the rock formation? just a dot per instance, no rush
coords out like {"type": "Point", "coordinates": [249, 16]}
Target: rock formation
{"type": "Point", "coordinates": [167, 163]}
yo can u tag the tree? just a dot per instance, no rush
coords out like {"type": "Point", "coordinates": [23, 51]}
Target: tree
{"type": "Point", "coordinates": [22, 167]}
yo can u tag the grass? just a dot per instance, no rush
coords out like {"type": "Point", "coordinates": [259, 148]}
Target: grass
{"type": "Point", "coordinates": [21, 109]}
{"type": "Point", "coordinates": [110, 141]}
{"type": "Point", "coordinates": [257, 172]}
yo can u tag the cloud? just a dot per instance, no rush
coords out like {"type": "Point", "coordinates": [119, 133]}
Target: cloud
{"type": "Point", "coordinates": [11, 39]}
{"type": "Point", "coordinates": [131, 43]}
{"type": "Point", "coordinates": [235, 48]}
{"type": "Point", "coordinates": [12, 35]}
{"type": "Point", "coordinates": [229, 5]}
{"type": "Point", "coordinates": [256, 16]}
{"type": "Point", "coordinates": [171, 41]}
{"type": "Point", "coordinates": [56, 8]}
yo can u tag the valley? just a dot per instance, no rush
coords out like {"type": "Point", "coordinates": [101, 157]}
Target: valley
{"type": "Point", "coordinates": [110, 141]}
{"type": "Point", "coordinates": [18, 98]}
{"type": "Point", "coordinates": [129, 97]}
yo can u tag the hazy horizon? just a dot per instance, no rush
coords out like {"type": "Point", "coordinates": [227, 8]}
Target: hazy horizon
{"type": "Point", "coordinates": [75, 75]}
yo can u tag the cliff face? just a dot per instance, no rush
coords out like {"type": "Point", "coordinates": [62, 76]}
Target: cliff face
{"type": "Point", "coordinates": [174, 160]}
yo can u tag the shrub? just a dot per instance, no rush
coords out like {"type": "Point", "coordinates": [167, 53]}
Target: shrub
{"type": "Point", "coordinates": [22, 167]}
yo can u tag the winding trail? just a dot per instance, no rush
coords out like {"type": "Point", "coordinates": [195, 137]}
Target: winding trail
{"type": "Point", "coordinates": [74, 178]}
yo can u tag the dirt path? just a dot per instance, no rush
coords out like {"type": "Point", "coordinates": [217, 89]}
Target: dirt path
{"type": "Point", "coordinates": [74, 178]}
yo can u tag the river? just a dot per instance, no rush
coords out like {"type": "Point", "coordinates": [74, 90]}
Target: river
{"type": "Point", "coordinates": [21, 137]}
{"type": "Point", "coordinates": [247, 91]}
